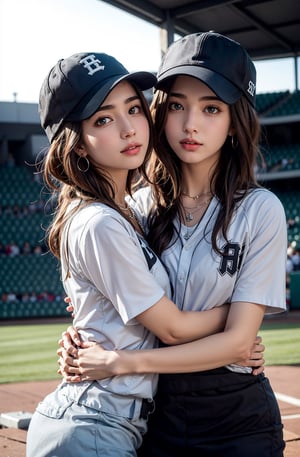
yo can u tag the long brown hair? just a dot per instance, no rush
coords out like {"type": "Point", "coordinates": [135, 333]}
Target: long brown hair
{"type": "Point", "coordinates": [232, 178]}
{"type": "Point", "coordinates": [67, 182]}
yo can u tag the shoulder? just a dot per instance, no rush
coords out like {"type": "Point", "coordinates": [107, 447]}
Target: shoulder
{"type": "Point", "coordinates": [92, 214]}
{"type": "Point", "coordinates": [263, 212]}
{"type": "Point", "coordinates": [262, 200]}
{"type": "Point", "coordinates": [97, 219]}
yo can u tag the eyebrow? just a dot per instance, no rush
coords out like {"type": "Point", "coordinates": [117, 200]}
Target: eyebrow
{"type": "Point", "coordinates": [205, 98]}
{"type": "Point", "coordinates": [128, 100]}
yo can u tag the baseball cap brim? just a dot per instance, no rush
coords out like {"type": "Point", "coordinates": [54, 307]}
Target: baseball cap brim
{"type": "Point", "coordinates": [91, 102]}
{"type": "Point", "coordinates": [224, 89]}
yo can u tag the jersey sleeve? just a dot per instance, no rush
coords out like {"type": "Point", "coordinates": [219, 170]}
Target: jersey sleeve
{"type": "Point", "coordinates": [111, 258]}
{"type": "Point", "coordinates": [262, 276]}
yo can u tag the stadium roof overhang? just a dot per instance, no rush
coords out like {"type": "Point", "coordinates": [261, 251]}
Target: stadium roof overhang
{"type": "Point", "coordinates": [268, 29]}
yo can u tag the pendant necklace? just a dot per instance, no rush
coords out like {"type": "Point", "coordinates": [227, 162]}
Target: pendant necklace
{"type": "Point", "coordinates": [189, 232]}
{"type": "Point", "coordinates": [189, 212]}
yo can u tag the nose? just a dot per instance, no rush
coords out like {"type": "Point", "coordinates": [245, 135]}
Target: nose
{"type": "Point", "coordinates": [127, 129]}
{"type": "Point", "coordinates": [190, 124]}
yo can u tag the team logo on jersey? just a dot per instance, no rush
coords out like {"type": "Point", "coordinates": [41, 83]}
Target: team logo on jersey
{"type": "Point", "coordinates": [231, 259]}
{"type": "Point", "coordinates": [148, 253]}
{"type": "Point", "coordinates": [91, 64]}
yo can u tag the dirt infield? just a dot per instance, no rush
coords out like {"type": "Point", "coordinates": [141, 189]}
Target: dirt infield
{"type": "Point", "coordinates": [25, 396]}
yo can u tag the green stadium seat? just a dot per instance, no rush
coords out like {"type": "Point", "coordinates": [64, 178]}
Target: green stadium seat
{"type": "Point", "coordinates": [265, 101]}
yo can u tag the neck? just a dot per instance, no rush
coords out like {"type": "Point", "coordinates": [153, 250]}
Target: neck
{"type": "Point", "coordinates": [118, 182]}
{"type": "Point", "coordinates": [196, 181]}
{"type": "Point", "coordinates": [195, 195]}
{"type": "Point", "coordinates": [120, 197]}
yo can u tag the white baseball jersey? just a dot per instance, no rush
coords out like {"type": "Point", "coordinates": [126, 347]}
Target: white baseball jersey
{"type": "Point", "coordinates": [252, 267]}
{"type": "Point", "coordinates": [114, 276]}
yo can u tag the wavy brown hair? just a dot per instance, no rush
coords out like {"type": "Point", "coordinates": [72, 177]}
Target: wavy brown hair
{"type": "Point", "coordinates": [232, 178]}
{"type": "Point", "coordinates": [67, 183]}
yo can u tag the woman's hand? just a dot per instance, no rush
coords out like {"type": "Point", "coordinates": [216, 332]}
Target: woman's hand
{"type": "Point", "coordinates": [70, 307]}
{"type": "Point", "coordinates": [68, 350]}
{"type": "Point", "coordinates": [81, 361]}
{"type": "Point", "coordinates": [89, 364]}
{"type": "Point", "coordinates": [256, 359]}
{"type": "Point", "coordinates": [70, 341]}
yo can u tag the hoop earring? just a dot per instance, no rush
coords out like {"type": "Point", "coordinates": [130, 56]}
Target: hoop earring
{"type": "Point", "coordinates": [234, 142]}
{"type": "Point", "coordinates": [87, 164]}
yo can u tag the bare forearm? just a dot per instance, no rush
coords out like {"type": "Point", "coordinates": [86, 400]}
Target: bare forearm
{"type": "Point", "coordinates": [207, 322]}
{"type": "Point", "coordinates": [200, 355]}
{"type": "Point", "coordinates": [234, 345]}
{"type": "Point", "coordinates": [176, 327]}
{"type": "Point", "coordinates": [231, 346]}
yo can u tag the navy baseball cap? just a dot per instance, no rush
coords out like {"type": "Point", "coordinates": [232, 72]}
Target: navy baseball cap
{"type": "Point", "coordinates": [218, 61]}
{"type": "Point", "coordinates": [76, 86]}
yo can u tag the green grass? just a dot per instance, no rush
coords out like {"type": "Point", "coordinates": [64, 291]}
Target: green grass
{"type": "Point", "coordinates": [282, 341]}
{"type": "Point", "coordinates": [28, 352]}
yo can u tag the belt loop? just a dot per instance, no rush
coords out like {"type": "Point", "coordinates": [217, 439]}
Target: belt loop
{"type": "Point", "coordinates": [147, 407]}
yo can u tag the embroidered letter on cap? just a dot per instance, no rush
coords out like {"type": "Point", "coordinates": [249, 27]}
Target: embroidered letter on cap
{"type": "Point", "coordinates": [251, 88]}
{"type": "Point", "coordinates": [92, 64]}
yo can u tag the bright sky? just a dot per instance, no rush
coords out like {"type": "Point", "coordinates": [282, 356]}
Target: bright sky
{"type": "Point", "coordinates": [35, 34]}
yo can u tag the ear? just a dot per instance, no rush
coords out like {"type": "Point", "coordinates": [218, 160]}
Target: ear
{"type": "Point", "coordinates": [80, 150]}
{"type": "Point", "coordinates": [232, 131]}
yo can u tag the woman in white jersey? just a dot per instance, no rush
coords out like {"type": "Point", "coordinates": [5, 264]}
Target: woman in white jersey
{"type": "Point", "coordinates": [100, 129]}
{"type": "Point", "coordinates": [221, 237]}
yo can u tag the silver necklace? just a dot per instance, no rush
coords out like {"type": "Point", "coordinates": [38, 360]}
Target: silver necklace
{"type": "Point", "coordinates": [132, 216]}
{"type": "Point", "coordinates": [189, 215]}
{"type": "Point", "coordinates": [195, 197]}
{"type": "Point", "coordinates": [189, 231]}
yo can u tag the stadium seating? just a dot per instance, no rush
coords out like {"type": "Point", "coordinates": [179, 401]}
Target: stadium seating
{"type": "Point", "coordinates": [278, 103]}
{"type": "Point", "coordinates": [288, 107]}
{"type": "Point", "coordinates": [18, 187]}
{"type": "Point", "coordinates": [267, 101]}
{"type": "Point", "coordinates": [21, 190]}
{"type": "Point", "coordinates": [291, 203]}
{"type": "Point", "coordinates": [22, 220]}
{"type": "Point", "coordinates": [30, 273]}
{"type": "Point", "coordinates": [282, 157]}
